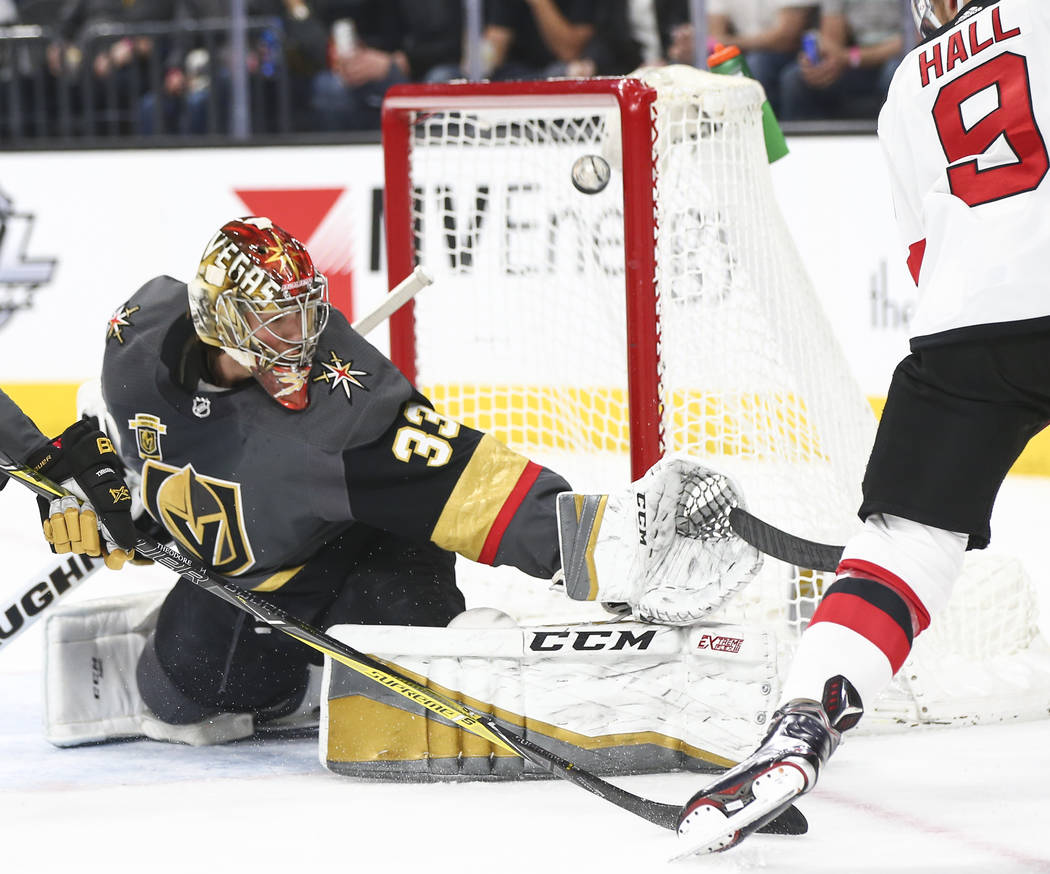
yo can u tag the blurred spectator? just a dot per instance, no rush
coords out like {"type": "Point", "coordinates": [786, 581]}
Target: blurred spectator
{"type": "Point", "coordinates": [196, 86]}
{"type": "Point", "coordinates": [29, 93]}
{"type": "Point", "coordinates": [768, 33]}
{"type": "Point", "coordinates": [379, 43]}
{"type": "Point", "coordinates": [537, 39]}
{"type": "Point", "coordinates": [181, 105]}
{"type": "Point", "coordinates": [860, 44]}
{"type": "Point", "coordinates": [111, 71]}
{"type": "Point", "coordinates": [629, 34]}
{"type": "Point", "coordinates": [10, 69]}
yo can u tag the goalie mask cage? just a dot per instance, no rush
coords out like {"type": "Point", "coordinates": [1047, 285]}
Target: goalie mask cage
{"type": "Point", "coordinates": [667, 312]}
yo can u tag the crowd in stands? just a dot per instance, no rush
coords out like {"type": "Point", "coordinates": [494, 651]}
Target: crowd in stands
{"type": "Point", "coordinates": [817, 60]}
{"type": "Point", "coordinates": [163, 66]}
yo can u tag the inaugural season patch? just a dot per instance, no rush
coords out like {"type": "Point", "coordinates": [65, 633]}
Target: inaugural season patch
{"type": "Point", "coordinates": [202, 513]}
{"type": "Point", "coordinates": [148, 430]}
{"type": "Point", "coordinates": [120, 320]}
{"type": "Point", "coordinates": [340, 374]}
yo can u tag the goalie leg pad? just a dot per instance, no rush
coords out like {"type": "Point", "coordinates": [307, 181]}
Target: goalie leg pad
{"type": "Point", "coordinates": [91, 691]}
{"type": "Point", "coordinates": [616, 698]}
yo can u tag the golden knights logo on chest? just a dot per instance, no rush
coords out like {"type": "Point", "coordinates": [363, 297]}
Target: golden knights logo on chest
{"type": "Point", "coordinates": [202, 513]}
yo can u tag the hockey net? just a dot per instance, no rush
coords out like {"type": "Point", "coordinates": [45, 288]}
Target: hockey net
{"type": "Point", "coordinates": [667, 312]}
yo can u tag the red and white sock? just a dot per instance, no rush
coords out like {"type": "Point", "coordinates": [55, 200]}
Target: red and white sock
{"type": "Point", "coordinates": [862, 629]}
{"type": "Point", "coordinates": [866, 621]}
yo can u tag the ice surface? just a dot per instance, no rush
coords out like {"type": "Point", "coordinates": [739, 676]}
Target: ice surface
{"type": "Point", "coordinates": [951, 800]}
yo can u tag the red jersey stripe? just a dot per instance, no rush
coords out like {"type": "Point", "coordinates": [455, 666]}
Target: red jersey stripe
{"type": "Point", "coordinates": [507, 511]}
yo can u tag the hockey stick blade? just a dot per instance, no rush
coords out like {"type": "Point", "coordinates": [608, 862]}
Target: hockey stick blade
{"type": "Point", "coordinates": [454, 712]}
{"type": "Point", "coordinates": [779, 544]}
{"type": "Point", "coordinates": [791, 822]}
{"type": "Point", "coordinates": [449, 709]}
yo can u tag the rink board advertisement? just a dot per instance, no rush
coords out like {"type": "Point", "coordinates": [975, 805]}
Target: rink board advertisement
{"type": "Point", "coordinates": [82, 230]}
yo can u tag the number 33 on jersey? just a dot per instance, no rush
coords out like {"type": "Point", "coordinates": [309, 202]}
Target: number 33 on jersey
{"type": "Point", "coordinates": [963, 132]}
{"type": "Point", "coordinates": [412, 440]}
{"type": "Point", "coordinates": [433, 478]}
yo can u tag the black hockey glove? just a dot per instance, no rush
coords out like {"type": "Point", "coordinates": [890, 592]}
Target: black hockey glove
{"type": "Point", "coordinates": [83, 455]}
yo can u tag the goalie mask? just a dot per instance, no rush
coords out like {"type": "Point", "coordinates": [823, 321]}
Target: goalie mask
{"type": "Point", "coordinates": [258, 297]}
{"type": "Point", "coordinates": [931, 15]}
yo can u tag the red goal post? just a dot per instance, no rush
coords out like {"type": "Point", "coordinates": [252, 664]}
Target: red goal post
{"type": "Point", "coordinates": [668, 312]}
{"type": "Point", "coordinates": [404, 105]}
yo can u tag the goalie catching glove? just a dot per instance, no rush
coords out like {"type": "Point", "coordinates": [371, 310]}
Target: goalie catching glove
{"type": "Point", "coordinates": [82, 459]}
{"type": "Point", "coordinates": [664, 546]}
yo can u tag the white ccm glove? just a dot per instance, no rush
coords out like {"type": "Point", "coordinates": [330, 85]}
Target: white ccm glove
{"type": "Point", "coordinates": [663, 546]}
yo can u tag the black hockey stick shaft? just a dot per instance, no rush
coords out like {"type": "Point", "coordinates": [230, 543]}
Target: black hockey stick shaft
{"type": "Point", "coordinates": [455, 712]}
{"type": "Point", "coordinates": [779, 544]}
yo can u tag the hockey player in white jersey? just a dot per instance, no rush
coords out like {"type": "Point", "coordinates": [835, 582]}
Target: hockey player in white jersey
{"type": "Point", "coordinates": [963, 135]}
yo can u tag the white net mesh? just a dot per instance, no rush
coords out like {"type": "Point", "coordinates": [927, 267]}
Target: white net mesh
{"type": "Point", "coordinates": [524, 332]}
{"type": "Point", "coordinates": [528, 294]}
{"type": "Point", "coordinates": [752, 377]}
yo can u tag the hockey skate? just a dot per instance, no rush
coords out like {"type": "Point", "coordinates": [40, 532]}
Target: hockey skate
{"type": "Point", "coordinates": [802, 737]}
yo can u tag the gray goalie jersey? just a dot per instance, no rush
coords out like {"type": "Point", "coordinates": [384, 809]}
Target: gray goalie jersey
{"type": "Point", "coordinates": [255, 490]}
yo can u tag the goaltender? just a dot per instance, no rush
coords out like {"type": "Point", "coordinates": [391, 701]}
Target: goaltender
{"type": "Point", "coordinates": [331, 484]}
{"type": "Point", "coordinates": [271, 441]}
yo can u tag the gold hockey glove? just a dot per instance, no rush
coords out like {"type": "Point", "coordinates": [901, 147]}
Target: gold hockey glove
{"type": "Point", "coordinates": [84, 461]}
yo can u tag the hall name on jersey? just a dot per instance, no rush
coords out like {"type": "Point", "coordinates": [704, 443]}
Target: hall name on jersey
{"type": "Point", "coordinates": [942, 57]}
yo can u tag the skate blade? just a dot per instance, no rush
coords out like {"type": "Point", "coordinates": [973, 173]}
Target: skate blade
{"type": "Point", "coordinates": [709, 830]}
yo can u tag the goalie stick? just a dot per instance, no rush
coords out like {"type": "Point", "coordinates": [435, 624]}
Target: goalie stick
{"type": "Point", "coordinates": [452, 711]}
{"type": "Point", "coordinates": [53, 581]}
{"type": "Point", "coordinates": [399, 295]}
{"type": "Point", "coordinates": [779, 544]}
